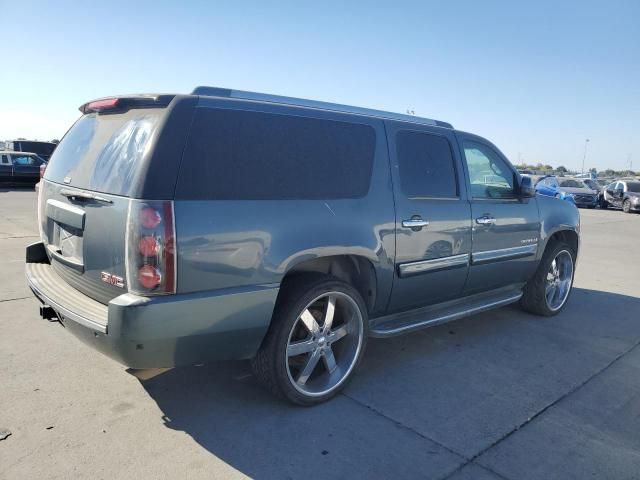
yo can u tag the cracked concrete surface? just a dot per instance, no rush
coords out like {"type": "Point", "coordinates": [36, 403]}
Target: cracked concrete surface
{"type": "Point", "coordinates": [502, 395]}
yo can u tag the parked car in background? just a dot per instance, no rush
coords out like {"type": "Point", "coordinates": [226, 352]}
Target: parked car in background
{"type": "Point", "coordinates": [596, 187]}
{"type": "Point", "coordinates": [20, 168]}
{"type": "Point", "coordinates": [548, 185]}
{"type": "Point", "coordinates": [622, 194]}
{"type": "Point", "coordinates": [43, 149]}
{"type": "Point", "coordinates": [183, 229]}
{"type": "Point", "coordinates": [582, 194]}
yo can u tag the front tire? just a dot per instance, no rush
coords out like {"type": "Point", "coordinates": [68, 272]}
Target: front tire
{"type": "Point", "coordinates": [317, 337]}
{"type": "Point", "coordinates": [548, 290]}
{"type": "Point", "coordinates": [626, 206]}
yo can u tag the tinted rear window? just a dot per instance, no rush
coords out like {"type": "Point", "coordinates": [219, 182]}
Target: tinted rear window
{"type": "Point", "coordinates": [103, 152]}
{"type": "Point", "coordinates": [633, 187]}
{"type": "Point", "coordinates": [244, 155]}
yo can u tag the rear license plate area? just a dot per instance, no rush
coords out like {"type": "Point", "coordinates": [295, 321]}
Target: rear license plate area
{"type": "Point", "coordinates": [67, 242]}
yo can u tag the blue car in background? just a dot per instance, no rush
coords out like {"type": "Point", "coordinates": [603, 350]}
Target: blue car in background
{"type": "Point", "coordinates": [548, 185]}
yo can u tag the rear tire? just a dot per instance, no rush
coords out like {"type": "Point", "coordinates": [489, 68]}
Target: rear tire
{"type": "Point", "coordinates": [548, 290]}
{"type": "Point", "coordinates": [309, 354]}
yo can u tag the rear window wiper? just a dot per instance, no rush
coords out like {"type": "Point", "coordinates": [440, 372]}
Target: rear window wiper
{"type": "Point", "coordinates": [77, 194]}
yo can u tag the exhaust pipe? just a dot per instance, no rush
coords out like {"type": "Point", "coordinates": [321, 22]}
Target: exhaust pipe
{"type": "Point", "coordinates": [48, 313]}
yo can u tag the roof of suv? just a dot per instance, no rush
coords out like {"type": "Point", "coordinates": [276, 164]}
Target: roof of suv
{"type": "Point", "coordinates": [264, 97]}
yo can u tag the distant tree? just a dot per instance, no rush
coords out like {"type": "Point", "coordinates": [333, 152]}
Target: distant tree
{"type": "Point", "coordinates": [562, 169]}
{"type": "Point", "coordinates": [547, 168]}
{"type": "Point", "coordinates": [608, 173]}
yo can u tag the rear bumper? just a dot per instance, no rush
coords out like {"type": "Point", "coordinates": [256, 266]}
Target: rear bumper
{"type": "Point", "coordinates": [163, 331]}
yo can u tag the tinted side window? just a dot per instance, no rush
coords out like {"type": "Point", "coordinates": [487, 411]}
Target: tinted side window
{"type": "Point", "coordinates": [489, 175]}
{"type": "Point", "coordinates": [244, 155]}
{"type": "Point", "coordinates": [426, 165]}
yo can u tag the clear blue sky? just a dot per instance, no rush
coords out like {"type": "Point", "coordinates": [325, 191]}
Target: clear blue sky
{"type": "Point", "coordinates": [537, 78]}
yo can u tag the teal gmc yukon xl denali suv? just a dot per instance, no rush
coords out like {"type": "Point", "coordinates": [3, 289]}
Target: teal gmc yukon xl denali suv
{"type": "Point", "coordinates": [183, 229]}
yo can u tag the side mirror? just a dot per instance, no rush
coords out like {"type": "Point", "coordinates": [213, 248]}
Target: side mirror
{"type": "Point", "coordinates": [527, 190]}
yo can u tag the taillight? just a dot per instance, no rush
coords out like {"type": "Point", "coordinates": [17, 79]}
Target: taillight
{"type": "Point", "coordinates": [43, 167]}
{"type": "Point", "coordinates": [151, 256]}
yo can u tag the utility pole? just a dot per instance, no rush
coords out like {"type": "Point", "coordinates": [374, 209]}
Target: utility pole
{"type": "Point", "coordinates": [584, 157]}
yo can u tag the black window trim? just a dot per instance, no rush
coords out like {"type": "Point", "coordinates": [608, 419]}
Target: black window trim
{"type": "Point", "coordinates": [457, 197]}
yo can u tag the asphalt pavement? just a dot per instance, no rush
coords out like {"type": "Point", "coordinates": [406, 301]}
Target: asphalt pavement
{"type": "Point", "coordinates": [501, 395]}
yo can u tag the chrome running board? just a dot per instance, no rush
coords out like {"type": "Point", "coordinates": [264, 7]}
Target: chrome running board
{"type": "Point", "coordinates": [405, 322]}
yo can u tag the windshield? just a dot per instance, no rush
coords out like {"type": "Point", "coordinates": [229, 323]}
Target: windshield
{"type": "Point", "coordinates": [633, 187]}
{"type": "Point", "coordinates": [591, 184]}
{"type": "Point", "coordinates": [103, 152]}
{"type": "Point", "coordinates": [573, 184]}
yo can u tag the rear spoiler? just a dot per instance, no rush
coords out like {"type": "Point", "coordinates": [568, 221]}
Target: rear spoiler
{"type": "Point", "coordinates": [123, 103]}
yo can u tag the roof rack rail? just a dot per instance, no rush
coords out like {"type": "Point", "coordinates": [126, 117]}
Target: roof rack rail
{"type": "Point", "coordinates": [265, 97]}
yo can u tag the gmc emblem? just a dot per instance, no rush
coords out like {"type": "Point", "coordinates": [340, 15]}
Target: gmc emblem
{"type": "Point", "coordinates": [112, 279]}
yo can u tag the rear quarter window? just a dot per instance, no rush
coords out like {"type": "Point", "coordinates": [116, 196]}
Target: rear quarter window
{"type": "Point", "coordinates": [248, 155]}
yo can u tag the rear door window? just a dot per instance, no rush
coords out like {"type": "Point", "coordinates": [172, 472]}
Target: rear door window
{"type": "Point", "coordinates": [633, 187]}
{"type": "Point", "coordinates": [426, 165]}
{"type": "Point", "coordinates": [248, 155]}
{"type": "Point", "coordinates": [104, 152]}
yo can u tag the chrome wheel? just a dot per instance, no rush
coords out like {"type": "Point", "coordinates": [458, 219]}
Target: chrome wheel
{"type": "Point", "coordinates": [559, 280]}
{"type": "Point", "coordinates": [324, 344]}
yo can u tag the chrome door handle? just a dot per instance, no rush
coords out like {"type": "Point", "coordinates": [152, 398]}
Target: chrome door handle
{"type": "Point", "coordinates": [415, 223]}
{"type": "Point", "coordinates": [485, 220]}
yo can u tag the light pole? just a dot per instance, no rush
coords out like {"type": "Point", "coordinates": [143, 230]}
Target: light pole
{"type": "Point", "coordinates": [584, 157]}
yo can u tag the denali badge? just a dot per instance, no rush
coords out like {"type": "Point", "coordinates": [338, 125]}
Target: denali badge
{"type": "Point", "coordinates": [112, 279]}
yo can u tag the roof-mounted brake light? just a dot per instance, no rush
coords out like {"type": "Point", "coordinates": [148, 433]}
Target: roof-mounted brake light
{"type": "Point", "coordinates": [101, 105]}
{"type": "Point", "coordinates": [126, 102]}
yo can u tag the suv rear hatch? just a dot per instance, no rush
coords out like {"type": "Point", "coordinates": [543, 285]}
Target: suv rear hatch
{"type": "Point", "coordinates": [87, 196]}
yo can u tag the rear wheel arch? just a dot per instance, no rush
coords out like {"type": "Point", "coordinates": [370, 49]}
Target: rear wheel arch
{"type": "Point", "coordinates": [357, 271]}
